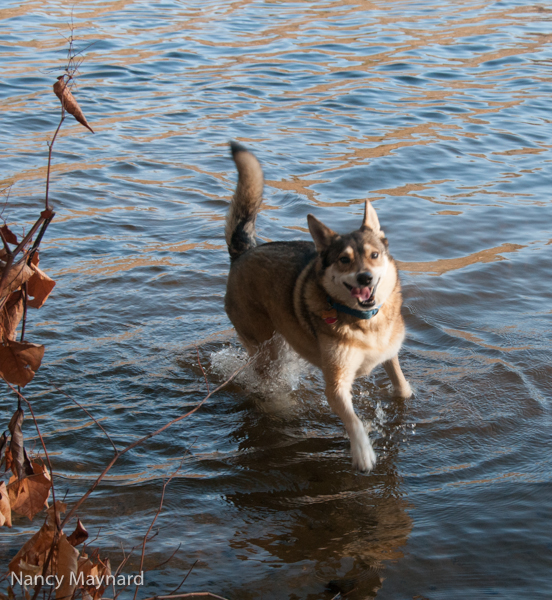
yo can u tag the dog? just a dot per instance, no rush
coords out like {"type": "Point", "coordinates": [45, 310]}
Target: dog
{"type": "Point", "coordinates": [336, 302]}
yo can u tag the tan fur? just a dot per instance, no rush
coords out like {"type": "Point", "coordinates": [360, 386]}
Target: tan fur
{"type": "Point", "coordinates": [282, 288]}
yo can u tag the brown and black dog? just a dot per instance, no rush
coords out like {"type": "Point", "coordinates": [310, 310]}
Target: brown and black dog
{"type": "Point", "coordinates": [336, 302]}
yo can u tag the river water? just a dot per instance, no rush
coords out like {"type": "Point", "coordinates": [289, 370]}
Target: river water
{"type": "Point", "coordinates": [439, 112]}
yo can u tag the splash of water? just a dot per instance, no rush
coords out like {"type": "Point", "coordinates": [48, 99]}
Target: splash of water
{"type": "Point", "coordinates": [279, 378]}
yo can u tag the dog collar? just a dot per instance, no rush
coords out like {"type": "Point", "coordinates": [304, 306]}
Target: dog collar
{"type": "Point", "coordinates": [330, 316]}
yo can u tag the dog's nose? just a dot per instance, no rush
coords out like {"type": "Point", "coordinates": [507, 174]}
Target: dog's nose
{"type": "Point", "coordinates": [364, 279]}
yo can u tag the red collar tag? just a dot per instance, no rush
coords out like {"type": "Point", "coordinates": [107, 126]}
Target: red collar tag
{"type": "Point", "coordinates": [330, 316]}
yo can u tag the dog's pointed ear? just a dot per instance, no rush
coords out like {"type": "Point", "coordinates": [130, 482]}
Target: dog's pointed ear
{"type": "Point", "coordinates": [371, 220]}
{"type": "Point", "coordinates": [321, 234]}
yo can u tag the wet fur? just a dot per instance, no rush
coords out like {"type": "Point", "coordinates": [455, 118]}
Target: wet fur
{"type": "Point", "coordinates": [281, 288]}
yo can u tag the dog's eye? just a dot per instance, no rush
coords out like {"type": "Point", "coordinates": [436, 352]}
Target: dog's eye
{"type": "Point", "coordinates": [374, 254]}
{"type": "Point", "coordinates": [345, 260]}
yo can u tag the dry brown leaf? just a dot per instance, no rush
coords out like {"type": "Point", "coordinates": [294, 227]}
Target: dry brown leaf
{"type": "Point", "coordinates": [8, 234]}
{"type": "Point", "coordinates": [66, 568]}
{"type": "Point", "coordinates": [35, 259]}
{"type": "Point", "coordinates": [26, 569]}
{"type": "Point", "coordinates": [29, 496]}
{"type": "Point", "coordinates": [27, 464]}
{"type": "Point", "coordinates": [5, 509]}
{"type": "Point", "coordinates": [52, 512]}
{"type": "Point", "coordinates": [11, 315]}
{"type": "Point", "coordinates": [18, 274]}
{"type": "Point", "coordinates": [69, 103]}
{"type": "Point", "coordinates": [16, 444]}
{"type": "Point", "coordinates": [3, 445]}
{"type": "Point", "coordinates": [19, 361]}
{"type": "Point", "coordinates": [9, 461]}
{"type": "Point", "coordinates": [91, 571]}
{"type": "Point", "coordinates": [78, 536]}
{"type": "Point", "coordinates": [39, 288]}
{"type": "Point", "coordinates": [34, 551]}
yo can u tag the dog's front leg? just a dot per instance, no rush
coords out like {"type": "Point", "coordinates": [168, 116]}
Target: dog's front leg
{"type": "Point", "coordinates": [394, 372]}
{"type": "Point", "coordinates": [339, 373]}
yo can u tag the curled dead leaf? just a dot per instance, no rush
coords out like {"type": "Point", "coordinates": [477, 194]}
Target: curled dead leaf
{"type": "Point", "coordinates": [16, 444]}
{"type": "Point", "coordinates": [69, 103]}
{"type": "Point", "coordinates": [19, 361]}
{"type": "Point", "coordinates": [5, 508]}
{"type": "Point", "coordinates": [27, 466]}
{"type": "Point", "coordinates": [18, 274]}
{"type": "Point", "coordinates": [78, 536]}
{"type": "Point", "coordinates": [30, 495]}
{"type": "Point", "coordinates": [8, 235]}
{"type": "Point", "coordinates": [10, 315]}
{"type": "Point", "coordinates": [39, 288]}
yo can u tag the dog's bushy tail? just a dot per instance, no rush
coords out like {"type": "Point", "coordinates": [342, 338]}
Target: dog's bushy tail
{"type": "Point", "coordinates": [240, 221]}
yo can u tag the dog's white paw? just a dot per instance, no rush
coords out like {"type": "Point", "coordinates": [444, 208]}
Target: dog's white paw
{"type": "Point", "coordinates": [364, 457]}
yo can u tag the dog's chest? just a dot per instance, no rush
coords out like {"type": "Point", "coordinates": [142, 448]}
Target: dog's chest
{"type": "Point", "coordinates": [372, 347]}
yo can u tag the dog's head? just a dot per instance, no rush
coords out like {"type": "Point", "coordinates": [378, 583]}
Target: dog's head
{"type": "Point", "coordinates": [353, 266]}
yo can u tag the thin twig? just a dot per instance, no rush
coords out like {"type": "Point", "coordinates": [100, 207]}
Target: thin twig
{"type": "Point", "coordinates": [7, 191]}
{"type": "Point", "coordinates": [202, 370]}
{"type": "Point", "coordinates": [84, 409]}
{"type": "Point", "coordinates": [88, 544]}
{"type": "Point", "coordinates": [24, 319]}
{"type": "Point", "coordinates": [184, 580]}
{"type": "Point", "coordinates": [168, 559]}
{"type": "Point", "coordinates": [4, 241]}
{"type": "Point", "coordinates": [50, 146]}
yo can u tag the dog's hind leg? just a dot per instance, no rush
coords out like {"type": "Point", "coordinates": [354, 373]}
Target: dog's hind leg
{"type": "Point", "coordinates": [266, 355]}
{"type": "Point", "coordinates": [257, 335]}
{"type": "Point", "coordinates": [339, 380]}
{"type": "Point", "coordinates": [400, 385]}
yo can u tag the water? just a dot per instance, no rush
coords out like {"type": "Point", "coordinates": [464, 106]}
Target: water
{"type": "Point", "coordinates": [440, 114]}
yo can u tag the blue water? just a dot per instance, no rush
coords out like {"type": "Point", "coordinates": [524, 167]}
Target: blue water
{"type": "Point", "coordinates": [438, 112]}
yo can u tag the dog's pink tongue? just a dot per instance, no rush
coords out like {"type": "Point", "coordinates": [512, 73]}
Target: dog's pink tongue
{"type": "Point", "coordinates": [364, 294]}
